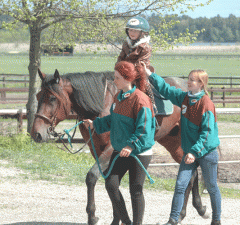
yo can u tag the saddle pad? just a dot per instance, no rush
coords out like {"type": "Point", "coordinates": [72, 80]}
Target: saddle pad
{"type": "Point", "coordinates": [164, 107]}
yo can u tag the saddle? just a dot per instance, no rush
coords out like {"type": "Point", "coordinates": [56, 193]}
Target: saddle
{"type": "Point", "coordinates": [164, 106]}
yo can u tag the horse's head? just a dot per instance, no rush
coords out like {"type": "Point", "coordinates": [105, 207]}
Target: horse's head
{"type": "Point", "coordinates": [53, 106]}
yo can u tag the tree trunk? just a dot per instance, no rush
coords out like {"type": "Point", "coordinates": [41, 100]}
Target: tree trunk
{"type": "Point", "coordinates": [34, 81]}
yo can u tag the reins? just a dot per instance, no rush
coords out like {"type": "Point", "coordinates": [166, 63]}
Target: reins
{"type": "Point", "coordinates": [96, 156]}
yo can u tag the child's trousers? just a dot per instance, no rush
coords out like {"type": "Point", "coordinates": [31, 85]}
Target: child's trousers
{"type": "Point", "coordinates": [208, 164]}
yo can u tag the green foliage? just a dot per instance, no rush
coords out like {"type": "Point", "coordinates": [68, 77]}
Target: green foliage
{"type": "Point", "coordinates": [94, 21]}
{"type": "Point", "coordinates": [216, 29]}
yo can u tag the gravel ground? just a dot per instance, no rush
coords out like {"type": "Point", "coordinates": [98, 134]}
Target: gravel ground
{"type": "Point", "coordinates": [40, 202]}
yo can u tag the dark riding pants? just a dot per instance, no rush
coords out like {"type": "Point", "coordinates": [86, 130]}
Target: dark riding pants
{"type": "Point", "coordinates": [136, 181]}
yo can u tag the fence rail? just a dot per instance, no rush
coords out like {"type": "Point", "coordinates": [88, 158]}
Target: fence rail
{"type": "Point", "coordinates": [223, 98]}
{"type": "Point", "coordinates": [213, 80]}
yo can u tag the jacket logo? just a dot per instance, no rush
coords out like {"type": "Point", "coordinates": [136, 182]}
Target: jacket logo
{"type": "Point", "coordinates": [193, 100]}
{"type": "Point", "coordinates": [114, 106]}
{"type": "Point", "coordinates": [184, 109]}
{"type": "Point", "coordinates": [127, 95]}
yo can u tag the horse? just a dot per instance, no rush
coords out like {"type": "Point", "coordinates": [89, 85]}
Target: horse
{"type": "Point", "coordinates": [90, 94]}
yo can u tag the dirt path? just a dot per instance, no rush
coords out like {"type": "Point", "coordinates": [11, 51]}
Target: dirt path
{"type": "Point", "coordinates": [38, 202]}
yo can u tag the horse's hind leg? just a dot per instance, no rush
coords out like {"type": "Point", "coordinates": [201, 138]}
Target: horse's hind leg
{"type": "Point", "coordinates": [196, 201]}
{"type": "Point", "coordinates": [91, 180]}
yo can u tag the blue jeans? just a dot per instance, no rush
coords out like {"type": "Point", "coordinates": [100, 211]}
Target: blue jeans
{"type": "Point", "coordinates": [208, 164]}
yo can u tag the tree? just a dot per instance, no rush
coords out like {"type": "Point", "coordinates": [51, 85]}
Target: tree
{"type": "Point", "coordinates": [83, 20]}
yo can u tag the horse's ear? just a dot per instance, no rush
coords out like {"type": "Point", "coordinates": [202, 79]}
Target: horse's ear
{"type": "Point", "coordinates": [57, 76]}
{"type": "Point", "coordinates": [41, 75]}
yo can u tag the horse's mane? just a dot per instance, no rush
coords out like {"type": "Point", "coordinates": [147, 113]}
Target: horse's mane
{"type": "Point", "coordinates": [89, 89]}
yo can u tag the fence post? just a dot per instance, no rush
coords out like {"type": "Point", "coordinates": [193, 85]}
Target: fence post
{"type": "Point", "coordinates": [223, 96]}
{"type": "Point", "coordinates": [25, 78]}
{"type": "Point", "coordinates": [231, 79]}
{"type": "Point", "coordinates": [3, 94]}
{"type": "Point", "coordinates": [211, 94]}
{"type": "Point", "coordinates": [19, 120]}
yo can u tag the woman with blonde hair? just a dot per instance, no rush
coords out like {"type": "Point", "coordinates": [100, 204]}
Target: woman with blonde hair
{"type": "Point", "coordinates": [199, 139]}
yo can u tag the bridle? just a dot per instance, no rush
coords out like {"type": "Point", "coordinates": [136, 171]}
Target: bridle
{"type": "Point", "coordinates": [52, 121]}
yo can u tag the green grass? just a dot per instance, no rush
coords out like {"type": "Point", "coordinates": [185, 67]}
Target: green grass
{"type": "Point", "coordinates": [182, 66]}
{"type": "Point", "coordinates": [44, 161]}
{"type": "Point", "coordinates": [164, 66]}
{"type": "Point", "coordinates": [229, 118]}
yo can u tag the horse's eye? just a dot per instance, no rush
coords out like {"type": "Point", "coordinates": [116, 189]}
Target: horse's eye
{"type": "Point", "coordinates": [52, 98]}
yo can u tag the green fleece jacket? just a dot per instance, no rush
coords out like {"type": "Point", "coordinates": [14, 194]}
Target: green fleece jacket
{"type": "Point", "coordinates": [131, 122]}
{"type": "Point", "coordinates": [199, 130]}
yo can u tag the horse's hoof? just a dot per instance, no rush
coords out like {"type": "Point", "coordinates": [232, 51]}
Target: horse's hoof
{"type": "Point", "coordinates": [204, 214]}
{"type": "Point", "coordinates": [93, 221]}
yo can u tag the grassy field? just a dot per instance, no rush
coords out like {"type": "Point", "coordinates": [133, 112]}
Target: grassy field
{"type": "Point", "coordinates": [164, 66]}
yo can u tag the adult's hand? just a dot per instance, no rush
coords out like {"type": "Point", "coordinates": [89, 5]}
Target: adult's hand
{"type": "Point", "coordinates": [88, 123]}
{"type": "Point", "coordinates": [126, 151]}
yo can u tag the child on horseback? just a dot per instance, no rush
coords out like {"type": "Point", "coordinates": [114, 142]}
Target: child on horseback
{"type": "Point", "coordinates": [132, 126]}
{"type": "Point", "coordinates": [199, 139]}
{"type": "Point", "coordinates": [136, 48]}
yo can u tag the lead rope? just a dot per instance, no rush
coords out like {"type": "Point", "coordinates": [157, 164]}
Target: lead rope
{"type": "Point", "coordinates": [114, 160]}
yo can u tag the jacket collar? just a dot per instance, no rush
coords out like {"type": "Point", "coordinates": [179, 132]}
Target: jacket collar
{"type": "Point", "coordinates": [193, 98]}
{"type": "Point", "coordinates": [197, 95]}
{"type": "Point", "coordinates": [123, 95]}
{"type": "Point", "coordinates": [145, 39]}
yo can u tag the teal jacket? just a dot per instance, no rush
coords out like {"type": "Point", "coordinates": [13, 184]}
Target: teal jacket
{"type": "Point", "coordinates": [131, 122]}
{"type": "Point", "coordinates": [199, 130]}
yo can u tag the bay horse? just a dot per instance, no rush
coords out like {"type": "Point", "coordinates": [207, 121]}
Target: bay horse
{"type": "Point", "coordinates": [90, 95]}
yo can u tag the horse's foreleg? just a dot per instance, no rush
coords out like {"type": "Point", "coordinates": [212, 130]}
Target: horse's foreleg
{"type": "Point", "coordinates": [91, 180]}
{"type": "Point", "coordinates": [197, 202]}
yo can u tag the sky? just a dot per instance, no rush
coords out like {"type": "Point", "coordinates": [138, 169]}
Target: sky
{"type": "Point", "coordinates": [222, 7]}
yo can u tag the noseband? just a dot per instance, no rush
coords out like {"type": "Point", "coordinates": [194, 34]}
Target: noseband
{"type": "Point", "coordinates": [52, 121]}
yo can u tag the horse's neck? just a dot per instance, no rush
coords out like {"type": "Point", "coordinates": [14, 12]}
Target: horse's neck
{"type": "Point", "coordinates": [69, 89]}
{"type": "Point", "coordinates": [110, 92]}
{"type": "Point", "coordinates": [67, 86]}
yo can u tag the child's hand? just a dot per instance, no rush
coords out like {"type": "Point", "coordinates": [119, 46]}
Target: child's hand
{"type": "Point", "coordinates": [126, 151]}
{"type": "Point", "coordinates": [148, 72]}
{"type": "Point", "coordinates": [189, 158]}
{"type": "Point", "coordinates": [88, 123]}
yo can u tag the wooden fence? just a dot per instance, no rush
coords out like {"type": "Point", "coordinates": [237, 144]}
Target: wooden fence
{"type": "Point", "coordinates": [11, 94]}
